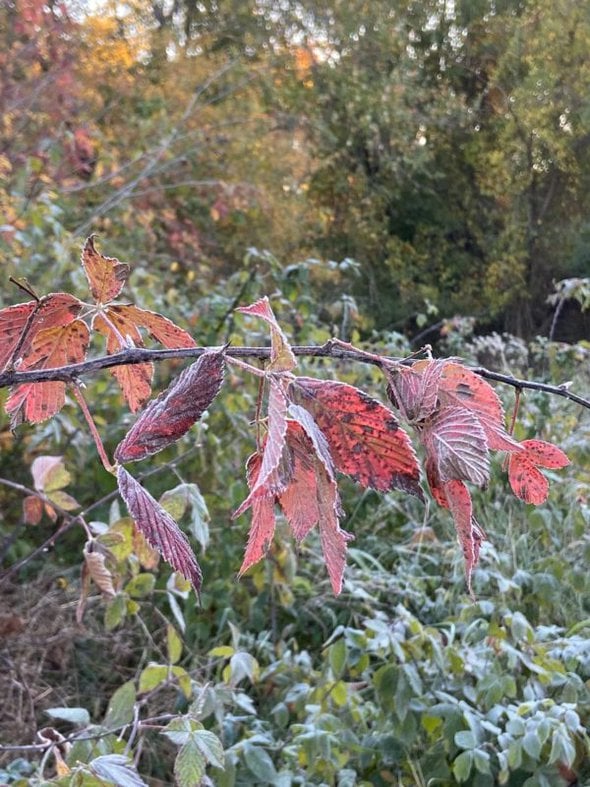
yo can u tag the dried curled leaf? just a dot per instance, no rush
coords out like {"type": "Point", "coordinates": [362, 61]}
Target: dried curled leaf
{"type": "Point", "coordinates": [160, 530]}
{"type": "Point", "coordinates": [168, 417]}
{"type": "Point", "coordinates": [94, 560]}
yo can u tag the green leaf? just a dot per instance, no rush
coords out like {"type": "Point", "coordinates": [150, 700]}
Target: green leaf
{"type": "Point", "coordinates": [184, 680]}
{"type": "Point", "coordinates": [141, 585]}
{"type": "Point", "coordinates": [189, 766]}
{"type": "Point", "coordinates": [562, 749]}
{"type": "Point", "coordinates": [243, 665]}
{"type": "Point", "coordinates": [337, 656]}
{"type": "Point", "coordinates": [121, 707]}
{"type": "Point", "coordinates": [210, 746]}
{"type": "Point", "coordinates": [78, 716]}
{"type": "Point", "coordinates": [174, 644]}
{"type": "Point", "coordinates": [259, 762]}
{"type": "Point", "coordinates": [152, 676]}
{"type": "Point", "coordinates": [179, 730]}
{"type": "Point", "coordinates": [465, 739]}
{"type": "Point", "coordinates": [462, 766]}
{"type": "Point", "coordinates": [115, 612]}
{"type": "Point", "coordinates": [118, 769]}
{"type": "Point", "coordinates": [222, 651]}
{"type": "Point", "coordinates": [531, 743]}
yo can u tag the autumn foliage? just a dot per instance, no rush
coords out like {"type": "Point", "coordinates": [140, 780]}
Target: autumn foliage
{"type": "Point", "coordinates": [311, 430]}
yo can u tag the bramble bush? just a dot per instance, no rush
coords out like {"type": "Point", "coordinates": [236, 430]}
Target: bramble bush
{"type": "Point", "coordinates": [377, 671]}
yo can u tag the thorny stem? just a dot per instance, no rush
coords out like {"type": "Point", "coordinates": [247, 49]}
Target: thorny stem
{"type": "Point", "coordinates": [93, 430]}
{"type": "Point", "coordinates": [331, 349]}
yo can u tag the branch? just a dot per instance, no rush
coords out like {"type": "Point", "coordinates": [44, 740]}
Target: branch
{"type": "Point", "coordinates": [330, 349]}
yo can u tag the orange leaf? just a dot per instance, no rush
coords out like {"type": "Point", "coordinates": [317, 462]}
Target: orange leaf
{"type": "Point", "coordinates": [106, 275]}
{"type": "Point", "coordinates": [51, 348]}
{"type": "Point", "coordinates": [51, 311]}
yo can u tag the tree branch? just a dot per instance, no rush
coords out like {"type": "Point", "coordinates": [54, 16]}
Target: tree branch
{"type": "Point", "coordinates": [330, 349]}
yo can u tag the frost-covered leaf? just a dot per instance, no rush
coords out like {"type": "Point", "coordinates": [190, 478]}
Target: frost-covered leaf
{"type": "Point", "coordinates": [364, 437]}
{"type": "Point", "coordinates": [414, 389]}
{"type": "Point", "coordinates": [120, 326]}
{"type": "Point", "coordinates": [168, 417]}
{"type": "Point", "coordinates": [469, 535]}
{"type": "Point", "coordinates": [281, 355]}
{"type": "Point", "coordinates": [455, 438]}
{"type": "Point", "coordinates": [189, 766]}
{"type": "Point", "coordinates": [117, 769]}
{"type": "Point", "coordinates": [77, 716]}
{"type": "Point", "coordinates": [159, 528]}
{"type": "Point", "coordinates": [460, 387]}
{"type": "Point", "coordinates": [263, 519]}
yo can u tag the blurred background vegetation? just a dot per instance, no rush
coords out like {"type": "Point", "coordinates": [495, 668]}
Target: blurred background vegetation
{"type": "Point", "coordinates": [389, 172]}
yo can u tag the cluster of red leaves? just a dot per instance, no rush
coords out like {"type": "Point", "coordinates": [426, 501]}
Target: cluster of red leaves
{"type": "Point", "coordinates": [459, 419]}
{"type": "Point", "coordinates": [314, 428]}
{"type": "Point", "coordinates": [49, 332]}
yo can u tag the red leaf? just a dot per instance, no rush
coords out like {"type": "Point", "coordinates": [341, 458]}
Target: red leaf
{"type": "Point", "coordinates": [455, 439]}
{"type": "Point", "coordinates": [263, 519]}
{"type": "Point", "coordinates": [319, 444]}
{"type": "Point", "coordinates": [414, 389]}
{"type": "Point", "coordinates": [527, 482]}
{"type": "Point", "coordinates": [274, 471]}
{"type": "Point", "coordinates": [51, 348]}
{"type": "Point", "coordinates": [159, 529]}
{"type": "Point", "coordinates": [460, 387]}
{"type": "Point", "coordinates": [51, 311]}
{"type": "Point", "coordinates": [468, 532]}
{"type": "Point", "coordinates": [167, 418]}
{"type": "Point", "coordinates": [106, 275]}
{"type": "Point", "coordinates": [281, 355]}
{"type": "Point", "coordinates": [332, 537]}
{"type": "Point", "coordinates": [299, 500]}
{"type": "Point", "coordinates": [311, 498]}
{"type": "Point", "coordinates": [363, 435]}
{"type": "Point", "coordinates": [435, 483]}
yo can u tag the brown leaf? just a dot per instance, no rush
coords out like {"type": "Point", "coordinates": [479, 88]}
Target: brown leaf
{"type": "Point", "coordinates": [168, 417]}
{"type": "Point", "coordinates": [95, 563]}
{"type": "Point", "coordinates": [159, 528]}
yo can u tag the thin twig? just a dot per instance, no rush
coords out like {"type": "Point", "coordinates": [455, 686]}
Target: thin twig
{"type": "Point", "coordinates": [330, 349]}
